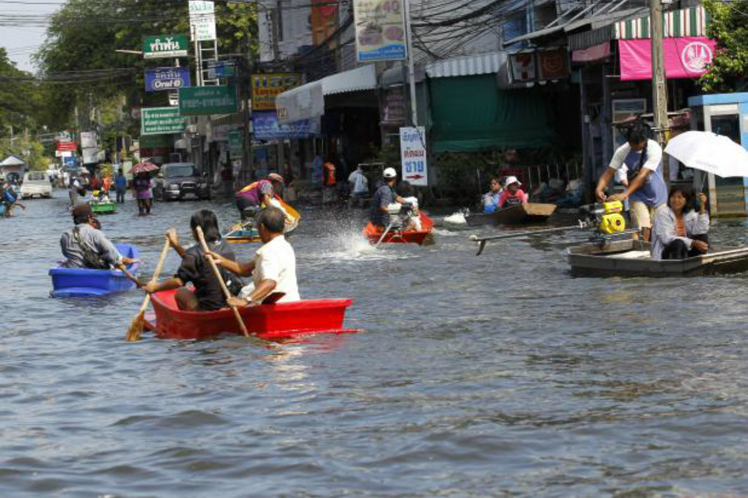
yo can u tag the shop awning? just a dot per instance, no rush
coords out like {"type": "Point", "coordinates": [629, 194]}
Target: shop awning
{"type": "Point", "coordinates": [473, 65]}
{"type": "Point", "coordinates": [676, 24]}
{"type": "Point", "coordinates": [307, 101]}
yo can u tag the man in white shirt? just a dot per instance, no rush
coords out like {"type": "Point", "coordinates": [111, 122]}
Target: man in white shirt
{"type": "Point", "coordinates": [273, 268]}
{"type": "Point", "coordinates": [359, 183]}
{"type": "Point", "coordinates": [641, 159]}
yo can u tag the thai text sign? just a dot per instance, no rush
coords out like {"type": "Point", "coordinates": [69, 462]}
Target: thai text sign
{"type": "Point", "coordinates": [265, 126]}
{"type": "Point", "coordinates": [684, 57]}
{"type": "Point", "coordinates": [158, 47]}
{"type": "Point", "coordinates": [236, 143]}
{"type": "Point", "coordinates": [265, 87]}
{"type": "Point", "coordinates": [380, 30]}
{"type": "Point", "coordinates": [202, 20]}
{"type": "Point", "coordinates": [161, 121]}
{"type": "Point", "coordinates": [166, 78]}
{"type": "Point", "coordinates": [413, 156]}
{"type": "Point", "coordinates": [206, 100]}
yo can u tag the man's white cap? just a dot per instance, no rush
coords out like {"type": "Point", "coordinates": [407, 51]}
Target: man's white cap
{"type": "Point", "coordinates": [511, 179]}
{"type": "Point", "coordinates": [390, 173]}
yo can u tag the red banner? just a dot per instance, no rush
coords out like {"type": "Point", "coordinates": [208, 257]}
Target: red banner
{"type": "Point", "coordinates": [67, 146]}
{"type": "Point", "coordinates": [684, 57]}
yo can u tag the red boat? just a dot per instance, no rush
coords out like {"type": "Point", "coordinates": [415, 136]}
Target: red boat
{"type": "Point", "coordinates": [373, 233]}
{"type": "Point", "coordinates": [266, 321]}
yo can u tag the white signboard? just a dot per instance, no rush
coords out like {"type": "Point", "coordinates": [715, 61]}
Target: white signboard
{"type": "Point", "coordinates": [202, 20]}
{"type": "Point", "coordinates": [89, 140]}
{"type": "Point", "coordinates": [413, 156]}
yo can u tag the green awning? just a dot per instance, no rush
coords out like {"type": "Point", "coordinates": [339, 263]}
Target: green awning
{"type": "Point", "coordinates": [471, 113]}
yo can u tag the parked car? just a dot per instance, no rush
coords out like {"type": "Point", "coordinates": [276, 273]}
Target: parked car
{"type": "Point", "coordinates": [177, 181]}
{"type": "Point", "coordinates": [36, 183]}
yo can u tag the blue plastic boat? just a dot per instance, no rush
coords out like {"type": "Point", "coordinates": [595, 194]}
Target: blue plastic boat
{"type": "Point", "coordinates": [82, 282]}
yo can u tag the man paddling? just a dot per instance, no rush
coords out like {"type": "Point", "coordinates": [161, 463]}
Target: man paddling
{"type": "Point", "coordinates": [273, 268]}
{"type": "Point", "coordinates": [85, 246]}
{"type": "Point", "coordinates": [642, 160]}
{"type": "Point", "coordinates": [258, 194]}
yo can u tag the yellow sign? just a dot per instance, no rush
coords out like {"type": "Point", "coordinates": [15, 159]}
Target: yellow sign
{"type": "Point", "coordinates": [265, 87]}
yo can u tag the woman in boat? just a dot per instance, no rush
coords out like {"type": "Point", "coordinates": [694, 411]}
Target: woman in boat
{"type": "Point", "coordinates": [491, 199]}
{"type": "Point", "coordinates": [207, 294]}
{"type": "Point", "coordinates": [679, 232]}
{"type": "Point", "coordinates": [513, 194]}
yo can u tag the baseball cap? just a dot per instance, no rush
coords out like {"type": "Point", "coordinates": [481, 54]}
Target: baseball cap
{"type": "Point", "coordinates": [511, 179]}
{"type": "Point", "coordinates": [390, 173]}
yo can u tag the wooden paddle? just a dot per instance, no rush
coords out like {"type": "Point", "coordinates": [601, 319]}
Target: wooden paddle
{"type": "Point", "coordinates": [217, 273]}
{"type": "Point", "coordinates": [136, 327]}
{"type": "Point", "coordinates": [482, 241]}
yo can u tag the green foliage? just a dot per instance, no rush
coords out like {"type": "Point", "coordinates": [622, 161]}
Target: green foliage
{"type": "Point", "coordinates": [85, 34]}
{"type": "Point", "coordinates": [29, 150]}
{"type": "Point", "coordinates": [19, 100]}
{"type": "Point", "coordinates": [729, 27]}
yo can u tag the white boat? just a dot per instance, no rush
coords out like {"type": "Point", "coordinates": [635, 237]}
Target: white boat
{"type": "Point", "coordinates": [633, 258]}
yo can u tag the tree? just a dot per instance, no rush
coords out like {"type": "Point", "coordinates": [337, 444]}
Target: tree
{"type": "Point", "coordinates": [729, 27]}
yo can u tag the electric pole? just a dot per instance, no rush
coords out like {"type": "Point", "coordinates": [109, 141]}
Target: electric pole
{"type": "Point", "coordinates": [659, 83]}
{"type": "Point", "coordinates": [411, 65]}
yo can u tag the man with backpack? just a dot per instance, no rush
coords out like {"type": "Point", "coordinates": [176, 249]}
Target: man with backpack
{"type": "Point", "coordinates": [84, 246]}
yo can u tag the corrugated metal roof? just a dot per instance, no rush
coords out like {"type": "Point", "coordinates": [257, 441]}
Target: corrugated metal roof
{"type": "Point", "coordinates": [362, 78]}
{"type": "Point", "coordinates": [471, 65]}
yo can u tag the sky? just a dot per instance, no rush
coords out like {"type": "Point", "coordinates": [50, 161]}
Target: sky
{"type": "Point", "coordinates": [22, 42]}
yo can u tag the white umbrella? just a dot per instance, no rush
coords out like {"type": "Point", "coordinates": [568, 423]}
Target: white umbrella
{"type": "Point", "coordinates": [707, 151]}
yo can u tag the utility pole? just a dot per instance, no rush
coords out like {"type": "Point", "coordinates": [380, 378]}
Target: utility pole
{"type": "Point", "coordinates": [659, 84]}
{"type": "Point", "coordinates": [411, 66]}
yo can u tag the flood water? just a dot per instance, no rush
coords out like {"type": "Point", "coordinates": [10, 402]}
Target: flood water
{"type": "Point", "coordinates": [498, 375]}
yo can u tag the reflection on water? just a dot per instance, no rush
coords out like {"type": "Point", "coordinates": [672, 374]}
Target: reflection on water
{"type": "Point", "coordinates": [497, 375]}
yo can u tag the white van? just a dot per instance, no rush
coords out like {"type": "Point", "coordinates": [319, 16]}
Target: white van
{"type": "Point", "coordinates": [36, 183]}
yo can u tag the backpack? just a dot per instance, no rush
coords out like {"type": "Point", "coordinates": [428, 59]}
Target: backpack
{"type": "Point", "coordinates": [90, 257]}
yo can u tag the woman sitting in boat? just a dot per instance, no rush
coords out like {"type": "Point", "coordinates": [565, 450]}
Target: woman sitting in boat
{"type": "Point", "coordinates": [273, 268]}
{"type": "Point", "coordinates": [679, 232]}
{"type": "Point", "coordinates": [207, 294]}
{"type": "Point", "coordinates": [513, 194]}
{"type": "Point", "coordinates": [85, 246]}
{"type": "Point", "coordinates": [491, 199]}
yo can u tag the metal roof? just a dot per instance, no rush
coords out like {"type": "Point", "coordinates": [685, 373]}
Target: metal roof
{"type": "Point", "coordinates": [471, 65]}
{"type": "Point", "coordinates": [362, 78]}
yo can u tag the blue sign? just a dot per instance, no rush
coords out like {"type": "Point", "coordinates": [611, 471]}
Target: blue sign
{"type": "Point", "coordinates": [164, 79]}
{"type": "Point", "coordinates": [70, 162]}
{"type": "Point", "coordinates": [265, 126]}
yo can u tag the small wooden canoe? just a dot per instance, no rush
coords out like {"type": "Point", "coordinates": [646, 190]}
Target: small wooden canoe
{"type": "Point", "coordinates": [82, 282]}
{"type": "Point", "coordinates": [103, 207]}
{"type": "Point", "coordinates": [267, 321]}
{"type": "Point", "coordinates": [373, 233]}
{"type": "Point", "coordinates": [532, 212]}
{"type": "Point", "coordinates": [633, 258]}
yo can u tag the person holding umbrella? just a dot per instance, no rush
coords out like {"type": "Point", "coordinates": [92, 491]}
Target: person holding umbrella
{"type": "Point", "coordinates": [646, 188]}
{"type": "Point", "coordinates": [142, 185]}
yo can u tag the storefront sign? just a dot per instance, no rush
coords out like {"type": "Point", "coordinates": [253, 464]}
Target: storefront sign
{"type": "Point", "coordinates": [413, 156]}
{"type": "Point", "coordinates": [236, 144]}
{"type": "Point", "coordinates": [90, 156]}
{"type": "Point", "coordinates": [161, 121]}
{"type": "Point", "coordinates": [592, 54]}
{"type": "Point", "coordinates": [265, 126]}
{"type": "Point", "coordinates": [202, 20]}
{"type": "Point", "coordinates": [206, 100]}
{"type": "Point", "coordinates": [393, 107]}
{"type": "Point", "coordinates": [380, 30]}
{"type": "Point", "coordinates": [553, 64]}
{"type": "Point", "coordinates": [159, 47]}
{"type": "Point", "coordinates": [684, 57]}
{"type": "Point", "coordinates": [265, 87]}
{"type": "Point", "coordinates": [166, 78]}
{"type": "Point", "coordinates": [67, 136]}
{"type": "Point", "coordinates": [523, 67]}
{"type": "Point", "coordinates": [89, 140]}
{"type": "Point", "coordinates": [67, 146]}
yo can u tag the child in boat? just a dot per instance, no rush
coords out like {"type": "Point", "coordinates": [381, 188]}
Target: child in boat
{"type": "Point", "coordinates": [513, 194]}
{"type": "Point", "coordinates": [273, 268]}
{"type": "Point", "coordinates": [491, 199]}
{"type": "Point", "coordinates": [207, 294]}
{"type": "Point", "coordinates": [678, 231]}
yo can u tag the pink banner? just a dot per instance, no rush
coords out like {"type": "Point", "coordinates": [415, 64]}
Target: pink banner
{"type": "Point", "coordinates": [684, 57]}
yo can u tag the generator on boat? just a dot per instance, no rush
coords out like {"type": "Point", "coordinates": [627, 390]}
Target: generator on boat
{"type": "Point", "coordinates": [606, 220]}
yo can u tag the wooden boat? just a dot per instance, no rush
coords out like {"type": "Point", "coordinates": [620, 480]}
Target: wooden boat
{"type": "Point", "coordinates": [532, 212]}
{"type": "Point", "coordinates": [632, 258]}
{"type": "Point", "coordinates": [103, 207]}
{"type": "Point", "coordinates": [267, 321]}
{"type": "Point", "coordinates": [82, 282]}
{"type": "Point", "coordinates": [245, 233]}
{"type": "Point", "coordinates": [374, 233]}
